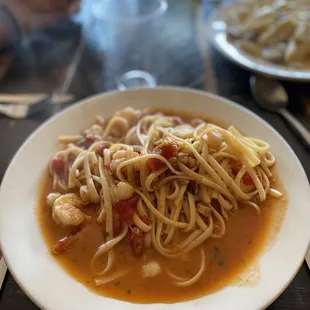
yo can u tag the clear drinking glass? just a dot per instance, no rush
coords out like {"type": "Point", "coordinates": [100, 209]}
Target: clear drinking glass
{"type": "Point", "coordinates": [129, 41]}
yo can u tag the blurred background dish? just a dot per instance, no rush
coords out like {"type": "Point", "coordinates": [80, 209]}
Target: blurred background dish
{"type": "Point", "coordinates": [276, 31]}
{"type": "Point", "coordinates": [269, 37]}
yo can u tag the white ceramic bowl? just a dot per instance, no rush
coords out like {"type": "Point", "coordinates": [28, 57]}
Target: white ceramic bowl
{"type": "Point", "coordinates": [50, 287]}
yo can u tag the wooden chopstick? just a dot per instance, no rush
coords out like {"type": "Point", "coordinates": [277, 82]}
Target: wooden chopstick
{"type": "Point", "coordinates": [12, 98]}
{"type": "Point", "coordinates": [33, 98]}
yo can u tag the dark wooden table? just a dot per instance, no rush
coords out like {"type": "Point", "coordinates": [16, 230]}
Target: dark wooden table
{"type": "Point", "coordinates": [57, 59]}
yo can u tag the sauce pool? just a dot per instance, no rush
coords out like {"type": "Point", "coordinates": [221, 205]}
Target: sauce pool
{"type": "Point", "coordinates": [246, 237]}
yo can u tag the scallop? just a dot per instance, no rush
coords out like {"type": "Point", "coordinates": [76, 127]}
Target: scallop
{"type": "Point", "coordinates": [151, 270]}
{"type": "Point", "coordinates": [123, 191]}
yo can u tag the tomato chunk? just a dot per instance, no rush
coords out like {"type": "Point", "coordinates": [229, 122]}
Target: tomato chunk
{"type": "Point", "coordinates": [126, 208]}
{"type": "Point", "coordinates": [144, 128]}
{"type": "Point", "coordinates": [101, 148]}
{"type": "Point", "coordinates": [117, 224]}
{"type": "Point", "coordinates": [58, 165]}
{"type": "Point", "coordinates": [155, 164]}
{"type": "Point", "coordinates": [167, 150]}
{"type": "Point", "coordinates": [235, 166]}
{"type": "Point", "coordinates": [247, 180]}
{"type": "Point", "coordinates": [86, 142]}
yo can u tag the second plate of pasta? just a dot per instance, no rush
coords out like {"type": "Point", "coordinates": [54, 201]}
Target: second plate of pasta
{"type": "Point", "coordinates": [267, 37]}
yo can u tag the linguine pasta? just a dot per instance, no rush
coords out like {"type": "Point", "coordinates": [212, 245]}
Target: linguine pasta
{"type": "Point", "coordinates": [157, 182]}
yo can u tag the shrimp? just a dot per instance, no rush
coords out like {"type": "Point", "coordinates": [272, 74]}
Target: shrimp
{"type": "Point", "coordinates": [130, 115]}
{"type": "Point", "coordinates": [66, 212]}
{"type": "Point", "coordinates": [120, 156]}
{"type": "Point", "coordinates": [71, 198]}
{"type": "Point", "coordinates": [117, 127]}
{"type": "Point", "coordinates": [50, 199]}
{"type": "Point", "coordinates": [64, 244]}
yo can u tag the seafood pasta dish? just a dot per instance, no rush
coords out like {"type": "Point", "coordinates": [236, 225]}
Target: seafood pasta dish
{"type": "Point", "coordinates": [158, 206]}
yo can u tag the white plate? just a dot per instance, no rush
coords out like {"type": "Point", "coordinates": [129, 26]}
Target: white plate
{"type": "Point", "coordinates": [50, 287]}
{"type": "Point", "coordinates": [216, 32]}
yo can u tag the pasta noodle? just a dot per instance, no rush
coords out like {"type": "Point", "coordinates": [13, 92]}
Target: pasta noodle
{"type": "Point", "coordinates": [158, 181]}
